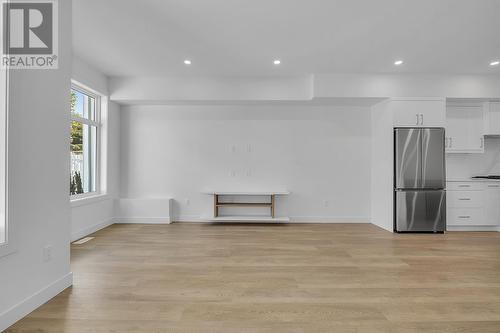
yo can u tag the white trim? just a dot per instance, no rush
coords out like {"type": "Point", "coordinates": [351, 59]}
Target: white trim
{"type": "Point", "coordinates": [330, 219]}
{"type": "Point", "coordinates": [98, 124]}
{"type": "Point", "coordinates": [77, 201]}
{"type": "Point", "coordinates": [82, 196]}
{"type": "Point", "coordinates": [85, 121]}
{"type": "Point", "coordinates": [142, 220]}
{"type": "Point", "coordinates": [90, 230]}
{"type": "Point", "coordinates": [86, 89]}
{"type": "Point", "coordinates": [29, 304]}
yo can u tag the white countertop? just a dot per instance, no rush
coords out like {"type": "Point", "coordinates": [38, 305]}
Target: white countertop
{"type": "Point", "coordinates": [248, 192]}
{"type": "Point", "coordinates": [479, 180]}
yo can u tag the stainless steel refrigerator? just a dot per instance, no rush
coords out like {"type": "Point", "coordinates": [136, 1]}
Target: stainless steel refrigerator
{"type": "Point", "coordinates": [419, 180]}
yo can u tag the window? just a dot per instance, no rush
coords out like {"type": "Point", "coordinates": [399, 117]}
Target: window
{"type": "Point", "coordinates": [3, 156]}
{"type": "Point", "coordinates": [84, 143]}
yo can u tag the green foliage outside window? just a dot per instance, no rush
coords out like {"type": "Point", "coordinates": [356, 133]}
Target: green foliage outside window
{"type": "Point", "coordinates": [76, 146]}
{"type": "Point", "coordinates": [76, 186]}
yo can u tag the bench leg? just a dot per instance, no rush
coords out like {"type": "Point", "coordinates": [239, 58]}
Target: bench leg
{"type": "Point", "coordinates": [216, 208]}
{"type": "Point", "coordinates": [272, 206]}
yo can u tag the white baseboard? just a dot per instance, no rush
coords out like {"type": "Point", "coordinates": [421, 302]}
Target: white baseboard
{"type": "Point", "coordinates": [31, 303]}
{"type": "Point", "coordinates": [142, 220]}
{"type": "Point", "coordinates": [329, 219]}
{"type": "Point", "coordinates": [90, 230]}
{"type": "Point", "coordinates": [293, 219]}
{"type": "Point", "coordinates": [472, 228]}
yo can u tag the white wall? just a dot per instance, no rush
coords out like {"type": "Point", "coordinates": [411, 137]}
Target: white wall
{"type": "Point", "coordinates": [39, 213]}
{"type": "Point", "coordinates": [406, 85]}
{"type": "Point", "coordinates": [382, 166]}
{"type": "Point", "coordinates": [320, 153]}
{"type": "Point", "coordinates": [166, 90]}
{"type": "Point", "coordinates": [147, 90]}
{"type": "Point", "coordinates": [87, 215]}
{"type": "Point", "coordinates": [89, 76]}
{"type": "Point", "coordinates": [3, 118]}
{"type": "Point", "coordinates": [464, 166]}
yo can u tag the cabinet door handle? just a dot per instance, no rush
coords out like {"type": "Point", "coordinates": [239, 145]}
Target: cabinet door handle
{"type": "Point", "coordinates": [464, 217]}
{"type": "Point", "coordinates": [421, 119]}
{"type": "Point", "coordinates": [451, 142]}
{"type": "Point", "coordinates": [494, 186]}
{"type": "Point", "coordinates": [463, 185]}
{"type": "Point", "coordinates": [464, 199]}
{"type": "Point", "coordinates": [418, 119]}
{"type": "Point", "coordinates": [482, 142]}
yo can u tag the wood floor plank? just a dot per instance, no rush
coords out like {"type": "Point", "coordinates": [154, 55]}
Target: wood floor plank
{"type": "Point", "coordinates": [276, 278]}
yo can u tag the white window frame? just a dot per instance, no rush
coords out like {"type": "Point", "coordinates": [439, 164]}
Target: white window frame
{"type": "Point", "coordinates": [98, 124]}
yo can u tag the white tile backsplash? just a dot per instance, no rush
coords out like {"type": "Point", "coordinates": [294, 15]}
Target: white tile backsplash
{"type": "Point", "coordinates": [467, 165]}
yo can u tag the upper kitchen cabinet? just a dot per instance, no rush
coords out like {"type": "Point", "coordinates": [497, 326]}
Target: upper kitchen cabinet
{"type": "Point", "coordinates": [465, 127]}
{"type": "Point", "coordinates": [492, 118]}
{"type": "Point", "coordinates": [419, 112]}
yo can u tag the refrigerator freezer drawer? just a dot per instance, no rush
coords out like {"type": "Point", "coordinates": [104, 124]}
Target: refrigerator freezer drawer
{"type": "Point", "coordinates": [420, 211]}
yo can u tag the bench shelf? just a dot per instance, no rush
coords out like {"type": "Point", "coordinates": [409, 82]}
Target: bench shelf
{"type": "Point", "coordinates": [271, 204]}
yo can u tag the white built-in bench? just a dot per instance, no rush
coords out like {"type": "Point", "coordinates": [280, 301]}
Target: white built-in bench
{"type": "Point", "coordinates": [219, 204]}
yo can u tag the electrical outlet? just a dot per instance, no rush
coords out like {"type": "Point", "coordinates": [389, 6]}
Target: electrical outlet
{"type": "Point", "coordinates": [188, 202]}
{"type": "Point", "coordinates": [232, 173]}
{"type": "Point", "coordinates": [47, 253]}
{"type": "Point", "coordinates": [249, 173]}
{"type": "Point", "coordinates": [233, 149]}
{"type": "Point", "coordinates": [249, 148]}
{"type": "Point", "coordinates": [326, 203]}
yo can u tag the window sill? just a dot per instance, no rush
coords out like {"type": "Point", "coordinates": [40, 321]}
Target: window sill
{"type": "Point", "coordinates": [77, 202]}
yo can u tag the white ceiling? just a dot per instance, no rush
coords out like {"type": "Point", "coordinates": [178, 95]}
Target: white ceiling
{"type": "Point", "coordinates": [243, 37]}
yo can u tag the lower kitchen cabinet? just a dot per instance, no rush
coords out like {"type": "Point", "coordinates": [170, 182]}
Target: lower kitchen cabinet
{"type": "Point", "coordinates": [473, 204]}
{"type": "Point", "coordinates": [492, 195]}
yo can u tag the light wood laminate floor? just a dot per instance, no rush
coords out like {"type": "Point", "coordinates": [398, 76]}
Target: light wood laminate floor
{"type": "Point", "coordinates": [270, 278]}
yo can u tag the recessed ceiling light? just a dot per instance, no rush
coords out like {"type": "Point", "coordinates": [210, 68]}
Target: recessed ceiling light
{"type": "Point", "coordinates": [495, 63]}
{"type": "Point", "coordinates": [398, 62]}
{"type": "Point", "coordinates": [277, 62]}
{"type": "Point", "coordinates": [187, 62]}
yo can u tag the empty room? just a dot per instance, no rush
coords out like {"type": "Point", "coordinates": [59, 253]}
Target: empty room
{"type": "Point", "coordinates": [250, 166]}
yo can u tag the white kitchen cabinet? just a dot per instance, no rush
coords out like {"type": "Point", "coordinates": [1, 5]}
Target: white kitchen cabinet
{"type": "Point", "coordinates": [492, 195]}
{"type": "Point", "coordinates": [464, 128]}
{"type": "Point", "coordinates": [465, 217]}
{"type": "Point", "coordinates": [465, 199]}
{"type": "Point", "coordinates": [419, 112]}
{"type": "Point", "coordinates": [473, 204]}
{"type": "Point", "coordinates": [492, 118]}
